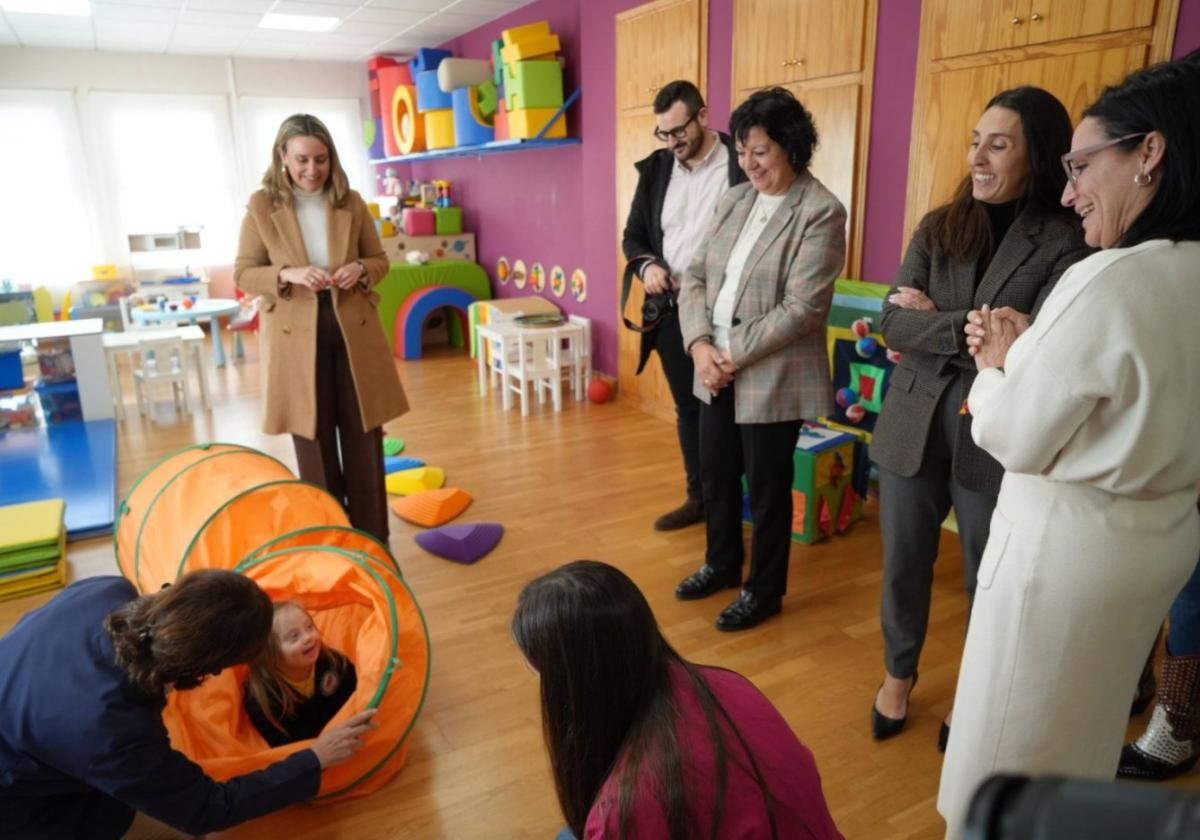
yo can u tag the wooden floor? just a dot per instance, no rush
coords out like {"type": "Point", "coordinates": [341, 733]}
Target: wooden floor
{"type": "Point", "coordinates": [588, 483]}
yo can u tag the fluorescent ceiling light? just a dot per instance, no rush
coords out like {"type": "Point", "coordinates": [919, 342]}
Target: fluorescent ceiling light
{"type": "Point", "coordinates": [299, 23]}
{"type": "Point", "coordinates": [73, 8]}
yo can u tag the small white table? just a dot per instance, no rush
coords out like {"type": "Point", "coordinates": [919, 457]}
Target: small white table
{"type": "Point", "coordinates": [128, 342]}
{"type": "Point", "coordinates": [86, 351]}
{"type": "Point", "coordinates": [547, 352]}
{"type": "Point", "coordinates": [211, 308]}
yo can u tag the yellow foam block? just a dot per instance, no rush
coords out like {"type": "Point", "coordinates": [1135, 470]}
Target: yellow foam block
{"type": "Point", "coordinates": [525, 123]}
{"type": "Point", "coordinates": [439, 129]}
{"type": "Point", "coordinates": [538, 48]}
{"type": "Point", "coordinates": [431, 508]}
{"type": "Point", "coordinates": [31, 523]}
{"type": "Point", "coordinates": [541, 29]}
{"type": "Point", "coordinates": [407, 482]}
{"type": "Point", "coordinates": [104, 272]}
{"type": "Point", "coordinates": [373, 208]}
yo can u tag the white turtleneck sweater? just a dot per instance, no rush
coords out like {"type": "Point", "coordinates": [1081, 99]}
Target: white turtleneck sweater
{"type": "Point", "coordinates": [312, 211]}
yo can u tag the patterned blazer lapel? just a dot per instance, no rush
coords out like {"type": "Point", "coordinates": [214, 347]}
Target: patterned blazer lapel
{"type": "Point", "coordinates": [288, 228]}
{"type": "Point", "coordinates": [1018, 244]}
{"type": "Point", "coordinates": [723, 241]}
{"type": "Point", "coordinates": [776, 225]}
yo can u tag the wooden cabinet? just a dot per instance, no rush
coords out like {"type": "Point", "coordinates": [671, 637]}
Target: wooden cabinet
{"type": "Point", "coordinates": [654, 47]}
{"type": "Point", "coordinates": [968, 27]}
{"type": "Point", "coordinates": [1072, 48]}
{"type": "Point", "coordinates": [823, 51]}
{"type": "Point", "coordinates": [656, 43]}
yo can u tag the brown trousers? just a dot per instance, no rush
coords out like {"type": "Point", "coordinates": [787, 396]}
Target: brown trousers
{"type": "Point", "coordinates": [343, 459]}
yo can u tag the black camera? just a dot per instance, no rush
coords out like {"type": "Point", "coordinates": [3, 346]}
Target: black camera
{"type": "Point", "coordinates": [1050, 808]}
{"type": "Point", "coordinates": [656, 307]}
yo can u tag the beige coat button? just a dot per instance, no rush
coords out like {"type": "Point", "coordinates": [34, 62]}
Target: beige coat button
{"type": "Point", "coordinates": [363, 322]}
{"type": "Point", "coordinates": [287, 330]}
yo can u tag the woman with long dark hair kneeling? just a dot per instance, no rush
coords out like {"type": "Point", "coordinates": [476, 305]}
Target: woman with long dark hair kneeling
{"type": "Point", "coordinates": [642, 742]}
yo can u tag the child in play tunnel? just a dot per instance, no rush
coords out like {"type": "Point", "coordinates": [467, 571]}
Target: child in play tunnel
{"type": "Point", "coordinates": [298, 683]}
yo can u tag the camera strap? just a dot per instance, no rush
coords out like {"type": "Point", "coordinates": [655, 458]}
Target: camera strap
{"type": "Point", "coordinates": [626, 286]}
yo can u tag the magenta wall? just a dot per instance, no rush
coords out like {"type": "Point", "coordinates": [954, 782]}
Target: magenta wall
{"type": "Point", "coordinates": [559, 206]}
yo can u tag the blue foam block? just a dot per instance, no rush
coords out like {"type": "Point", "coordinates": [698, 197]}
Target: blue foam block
{"type": "Point", "coordinates": [395, 463]}
{"type": "Point", "coordinates": [427, 59]}
{"type": "Point", "coordinates": [430, 97]}
{"type": "Point", "coordinates": [467, 129]}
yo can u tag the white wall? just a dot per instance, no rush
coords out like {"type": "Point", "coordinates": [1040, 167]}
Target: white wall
{"type": "Point", "coordinates": [87, 72]}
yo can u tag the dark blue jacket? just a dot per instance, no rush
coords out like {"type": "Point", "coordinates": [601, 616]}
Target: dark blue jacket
{"type": "Point", "coordinates": [70, 720]}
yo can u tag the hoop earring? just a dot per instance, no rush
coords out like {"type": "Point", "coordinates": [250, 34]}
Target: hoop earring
{"type": "Point", "coordinates": [1143, 179]}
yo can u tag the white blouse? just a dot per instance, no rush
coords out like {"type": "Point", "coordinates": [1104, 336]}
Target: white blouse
{"type": "Point", "coordinates": [722, 317]}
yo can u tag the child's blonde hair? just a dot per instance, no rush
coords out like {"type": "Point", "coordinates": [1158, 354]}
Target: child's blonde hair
{"type": "Point", "coordinates": [266, 684]}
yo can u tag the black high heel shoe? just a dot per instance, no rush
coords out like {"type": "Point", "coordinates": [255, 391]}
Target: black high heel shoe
{"type": "Point", "coordinates": [884, 727]}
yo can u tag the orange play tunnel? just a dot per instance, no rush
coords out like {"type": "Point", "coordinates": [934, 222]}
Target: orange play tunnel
{"type": "Point", "coordinates": [231, 507]}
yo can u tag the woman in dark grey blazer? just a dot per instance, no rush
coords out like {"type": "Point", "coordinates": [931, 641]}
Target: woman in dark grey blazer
{"type": "Point", "coordinates": [1003, 241]}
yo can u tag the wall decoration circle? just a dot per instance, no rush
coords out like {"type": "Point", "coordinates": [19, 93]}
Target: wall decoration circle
{"type": "Point", "coordinates": [519, 275]}
{"type": "Point", "coordinates": [502, 271]}
{"type": "Point", "coordinates": [537, 277]}
{"type": "Point", "coordinates": [558, 281]}
{"type": "Point", "coordinates": [579, 285]}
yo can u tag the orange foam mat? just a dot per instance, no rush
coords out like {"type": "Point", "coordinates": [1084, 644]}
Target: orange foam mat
{"type": "Point", "coordinates": [432, 507]}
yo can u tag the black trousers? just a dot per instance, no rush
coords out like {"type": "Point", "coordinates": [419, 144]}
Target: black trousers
{"type": "Point", "coordinates": [91, 815]}
{"type": "Point", "coordinates": [911, 512]}
{"type": "Point", "coordinates": [678, 368]}
{"type": "Point", "coordinates": [343, 459]}
{"type": "Point", "coordinates": [763, 451]}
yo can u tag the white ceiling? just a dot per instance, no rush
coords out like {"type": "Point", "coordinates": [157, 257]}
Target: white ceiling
{"type": "Point", "coordinates": [230, 27]}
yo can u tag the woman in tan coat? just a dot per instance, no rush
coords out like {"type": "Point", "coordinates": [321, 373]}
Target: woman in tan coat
{"type": "Point", "coordinates": [309, 248]}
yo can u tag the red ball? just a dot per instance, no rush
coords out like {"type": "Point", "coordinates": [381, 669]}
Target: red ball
{"type": "Point", "coordinates": [861, 328]}
{"type": "Point", "coordinates": [599, 391]}
{"type": "Point", "coordinates": [856, 414]}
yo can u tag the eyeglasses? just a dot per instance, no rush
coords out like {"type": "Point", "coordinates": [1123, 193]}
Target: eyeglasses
{"type": "Point", "coordinates": [1068, 160]}
{"type": "Point", "coordinates": [676, 133]}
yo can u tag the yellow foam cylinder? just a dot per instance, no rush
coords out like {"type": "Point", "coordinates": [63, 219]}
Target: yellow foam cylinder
{"type": "Point", "coordinates": [407, 125]}
{"type": "Point", "coordinates": [439, 129]}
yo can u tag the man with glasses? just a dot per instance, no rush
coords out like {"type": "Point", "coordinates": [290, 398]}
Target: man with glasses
{"type": "Point", "coordinates": [678, 189]}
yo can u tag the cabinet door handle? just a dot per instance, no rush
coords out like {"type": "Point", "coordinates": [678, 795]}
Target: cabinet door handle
{"type": "Point", "coordinates": [1035, 17]}
{"type": "Point", "coordinates": [1016, 21]}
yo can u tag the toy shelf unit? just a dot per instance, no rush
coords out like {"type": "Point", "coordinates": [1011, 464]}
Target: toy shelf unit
{"type": "Point", "coordinates": [538, 141]}
{"type": "Point", "coordinates": [155, 261]}
{"type": "Point", "coordinates": [57, 366]}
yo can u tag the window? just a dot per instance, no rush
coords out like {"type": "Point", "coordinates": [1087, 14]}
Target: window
{"type": "Point", "coordinates": [47, 237]}
{"type": "Point", "coordinates": [168, 162]}
{"type": "Point", "coordinates": [261, 117]}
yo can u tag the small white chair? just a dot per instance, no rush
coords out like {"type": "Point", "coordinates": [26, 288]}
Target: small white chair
{"type": "Point", "coordinates": [536, 365]}
{"type": "Point", "coordinates": [581, 354]}
{"type": "Point", "coordinates": [496, 349]}
{"type": "Point", "coordinates": [161, 360]}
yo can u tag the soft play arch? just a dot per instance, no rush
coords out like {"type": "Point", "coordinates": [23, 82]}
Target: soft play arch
{"type": "Point", "coordinates": [418, 306]}
{"type": "Point", "coordinates": [227, 506]}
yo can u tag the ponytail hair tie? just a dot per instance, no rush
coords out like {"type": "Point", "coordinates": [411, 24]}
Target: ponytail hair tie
{"type": "Point", "coordinates": [145, 640]}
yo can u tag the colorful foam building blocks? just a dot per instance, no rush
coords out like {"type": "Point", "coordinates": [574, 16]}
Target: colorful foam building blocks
{"type": "Point", "coordinates": [408, 125]}
{"type": "Point", "coordinates": [533, 84]}
{"type": "Point", "coordinates": [430, 96]}
{"type": "Point", "coordinates": [471, 128]}
{"type": "Point", "coordinates": [390, 78]}
{"type": "Point", "coordinates": [501, 121]}
{"type": "Point", "coordinates": [488, 98]}
{"type": "Point", "coordinates": [427, 59]}
{"type": "Point", "coordinates": [439, 129]}
{"type": "Point", "coordinates": [531, 41]}
{"type": "Point", "coordinates": [448, 220]}
{"type": "Point", "coordinates": [527, 123]}
{"type": "Point", "coordinates": [497, 61]}
{"type": "Point", "coordinates": [419, 221]}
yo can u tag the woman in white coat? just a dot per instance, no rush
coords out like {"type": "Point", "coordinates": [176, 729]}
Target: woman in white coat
{"type": "Point", "coordinates": [1095, 415]}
